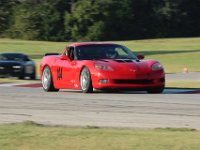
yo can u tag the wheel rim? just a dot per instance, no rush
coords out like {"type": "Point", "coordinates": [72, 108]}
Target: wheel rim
{"type": "Point", "coordinates": [84, 80]}
{"type": "Point", "coordinates": [46, 78]}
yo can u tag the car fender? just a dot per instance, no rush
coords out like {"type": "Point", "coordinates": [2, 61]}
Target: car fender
{"type": "Point", "coordinates": [47, 61]}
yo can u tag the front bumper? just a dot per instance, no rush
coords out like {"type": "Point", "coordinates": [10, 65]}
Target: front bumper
{"type": "Point", "coordinates": [20, 71]}
{"type": "Point", "coordinates": [144, 81]}
{"type": "Point", "coordinates": [8, 71]}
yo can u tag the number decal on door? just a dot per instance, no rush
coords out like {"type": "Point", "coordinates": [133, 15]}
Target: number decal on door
{"type": "Point", "coordinates": [59, 73]}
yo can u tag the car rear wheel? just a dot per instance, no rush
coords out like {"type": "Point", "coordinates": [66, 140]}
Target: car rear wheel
{"type": "Point", "coordinates": [85, 81]}
{"type": "Point", "coordinates": [33, 76]}
{"type": "Point", "coordinates": [21, 75]}
{"type": "Point", "coordinates": [156, 90]}
{"type": "Point", "coordinates": [47, 82]}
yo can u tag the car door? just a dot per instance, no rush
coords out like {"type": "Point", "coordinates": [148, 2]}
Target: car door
{"type": "Point", "coordinates": [64, 67]}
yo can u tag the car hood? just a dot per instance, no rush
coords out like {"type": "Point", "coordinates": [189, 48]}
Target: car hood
{"type": "Point", "coordinates": [138, 66]}
{"type": "Point", "coordinates": [125, 68]}
{"type": "Point", "coordinates": [10, 63]}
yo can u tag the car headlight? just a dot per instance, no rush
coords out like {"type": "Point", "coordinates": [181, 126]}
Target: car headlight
{"type": "Point", "coordinates": [29, 69]}
{"type": "Point", "coordinates": [16, 67]}
{"type": "Point", "coordinates": [156, 66]}
{"type": "Point", "coordinates": [102, 67]}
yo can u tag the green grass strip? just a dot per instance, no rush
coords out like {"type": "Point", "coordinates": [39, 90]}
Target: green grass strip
{"type": "Point", "coordinates": [31, 136]}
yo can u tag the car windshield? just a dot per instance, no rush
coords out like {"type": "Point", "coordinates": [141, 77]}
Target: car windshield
{"type": "Point", "coordinates": [13, 57]}
{"type": "Point", "coordinates": [100, 51]}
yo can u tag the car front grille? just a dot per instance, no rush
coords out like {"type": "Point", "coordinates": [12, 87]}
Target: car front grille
{"type": "Point", "coordinates": [127, 81]}
{"type": "Point", "coordinates": [8, 69]}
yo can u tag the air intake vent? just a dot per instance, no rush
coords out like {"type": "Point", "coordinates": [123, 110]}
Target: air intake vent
{"type": "Point", "coordinates": [142, 81]}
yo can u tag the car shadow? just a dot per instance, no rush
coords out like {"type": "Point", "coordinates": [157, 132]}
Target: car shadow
{"type": "Point", "coordinates": [175, 90]}
{"type": "Point", "coordinates": [168, 90]}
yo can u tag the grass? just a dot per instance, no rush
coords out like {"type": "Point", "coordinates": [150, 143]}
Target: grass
{"type": "Point", "coordinates": [36, 49]}
{"type": "Point", "coordinates": [30, 136]}
{"type": "Point", "coordinates": [174, 54]}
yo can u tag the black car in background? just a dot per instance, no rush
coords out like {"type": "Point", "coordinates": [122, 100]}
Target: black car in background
{"type": "Point", "coordinates": [17, 65]}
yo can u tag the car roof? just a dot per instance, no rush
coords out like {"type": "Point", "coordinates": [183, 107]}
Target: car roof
{"type": "Point", "coordinates": [91, 43]}
{"type": "Point", "coordinates": [12, 53]}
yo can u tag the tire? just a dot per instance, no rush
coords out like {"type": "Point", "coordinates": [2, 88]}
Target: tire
{"type": "Point", "coordinates": [85, 81]}
{"type": "Point", "coordinates": [22, 75]}
{"type": "Point", "coordinates": [47, 82]}
{"type": "Point", "coordinates": [156, 90]}
{"type": "Point", "coordinates": [33, 75]}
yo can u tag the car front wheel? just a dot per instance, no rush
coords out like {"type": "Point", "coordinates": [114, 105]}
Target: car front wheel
{"type": "Point", "coordinates": [85, 81]}
{"type": "Point", "coordinates": [47, 82]}
{"type": "Point", "coordinates": [33, 75]}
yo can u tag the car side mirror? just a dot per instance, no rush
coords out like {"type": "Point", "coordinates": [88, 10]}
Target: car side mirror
{"type": "Point", "coordinates": [63, 57]}
{"type": "Point", "coordinates": [140, 57]}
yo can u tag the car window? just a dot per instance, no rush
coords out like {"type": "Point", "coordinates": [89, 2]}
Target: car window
{"type": "Point", "coordinates": [71, 53]}
{"type": "Point", "coordinates": [13, 57]}
{"type": "Point", "coordinates": [100, 51]}
{"type": "Point", "coordinates": [66, 51]}
{"type": "Point", "coordinates": [121, 52]}
{"type": "Point", "coordinates": [2, 57]}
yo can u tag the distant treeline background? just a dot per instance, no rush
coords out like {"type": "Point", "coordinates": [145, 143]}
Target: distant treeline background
{"type": "Point", "coordinates": [89, 20]}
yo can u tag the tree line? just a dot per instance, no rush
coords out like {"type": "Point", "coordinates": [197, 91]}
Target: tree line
{"type": "Point", "coordinates": [96, 20]}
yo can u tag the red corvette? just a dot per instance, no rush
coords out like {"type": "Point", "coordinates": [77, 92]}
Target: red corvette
{"type": "Point", "coordinates": [105, 66]}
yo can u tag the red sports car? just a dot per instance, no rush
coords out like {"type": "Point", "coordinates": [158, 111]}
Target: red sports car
{"type": "Point", "coordinates": [105, 66]}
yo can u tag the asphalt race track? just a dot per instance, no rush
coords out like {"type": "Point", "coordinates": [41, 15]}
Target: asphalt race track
{"type": "Point", "coordinates": [174, 108]}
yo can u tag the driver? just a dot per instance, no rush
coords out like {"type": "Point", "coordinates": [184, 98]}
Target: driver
{"type": "Point", "coordinates": [111, 53]}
